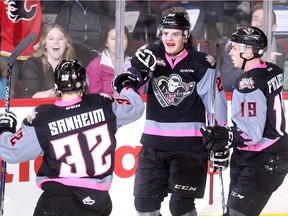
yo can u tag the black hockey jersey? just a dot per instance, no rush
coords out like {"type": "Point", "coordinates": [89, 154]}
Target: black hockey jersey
{"type": "Point", "coordinates": [75, 138]}
{"type": "Point", "coordinates": [258, 109]}
{"type": "Point", "coordinates": [180, 94]}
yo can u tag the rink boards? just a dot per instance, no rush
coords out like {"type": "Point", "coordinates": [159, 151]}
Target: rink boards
{"type": "Point", "coordinates": [21, 193]}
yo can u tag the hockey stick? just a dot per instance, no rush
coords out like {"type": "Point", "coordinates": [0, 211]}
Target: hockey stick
{"type": "Point", "coordinates": [220, 170]}
{"type": "Point", "coordinates": [18, 49]}
{"type": "Point", "coordinates": [212, 123]}
{"type": "Point", "coordinates": [224, 208]}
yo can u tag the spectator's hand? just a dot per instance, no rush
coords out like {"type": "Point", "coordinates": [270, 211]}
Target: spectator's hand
{"type": "Point", "coordinates": [219, 160]}
{"type": "Point", "coordinates": [8, 122]}
{"type": "Point", "coordinates": [144, 60]}
{"type": "Point", "coordinates": [274, 55]}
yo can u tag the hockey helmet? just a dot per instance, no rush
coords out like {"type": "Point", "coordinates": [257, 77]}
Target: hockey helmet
{"type": "Point", "coordinates": [252, 37]}
{"type": "Point", "coordinates": [70, 76]}
{"type": "Point", "coordinates": [177, 20]}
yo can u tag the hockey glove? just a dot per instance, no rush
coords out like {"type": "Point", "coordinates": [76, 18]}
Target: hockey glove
{"type": "Point", "coordinates": [219, 160]}
{"type": "Point", "coordinates": [144, 60]}
{"type": "Point", "coordinates": [217, 138]}
{"type": "Point", "coordinates": [8, 122]}
{"type": "Point", "coordinates": [124, 80]}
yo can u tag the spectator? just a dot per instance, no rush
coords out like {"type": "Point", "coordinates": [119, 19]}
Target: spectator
{"type": "Point", "coordinates": [101, 70]}
{"type": "Point", "coordinates": [173, 159]}
{"type": "Point", "coordinates": [18, 19]}
{"type": "Point", "coordinates": [85, 22]}
{"type": "Point", "coordinates": [278, 55]}
{"type": "Point", "coordinates": [38, 70]}
{"type": "Point", "coordinates": [244, 7]}
{"type": "Point", "coordinates": [76, 137]}
{"type": "Point", "coordinates": [259, 161]}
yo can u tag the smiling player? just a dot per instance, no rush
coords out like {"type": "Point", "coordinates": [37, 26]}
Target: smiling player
{"type": "Point", "coordinates": [173, 159]}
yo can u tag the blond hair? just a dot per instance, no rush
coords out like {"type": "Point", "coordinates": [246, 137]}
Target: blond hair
{"type": "Point", "coordinates": [259, 6]}
{"type": "Point", "coordinates": [41, 52]}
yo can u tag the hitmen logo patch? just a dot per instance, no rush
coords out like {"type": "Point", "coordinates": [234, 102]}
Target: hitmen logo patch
{"type": "Point", "coordinates": [211, 60]}
{"type": "Point", "coordinates": [31, 116]}
{"type": "Point", "coordinates": [246, 83]}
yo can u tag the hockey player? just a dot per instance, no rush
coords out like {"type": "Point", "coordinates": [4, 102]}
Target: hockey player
{"type": "Point", "coordinates": [76, 137]}
{"type": "Point", "coordinates": [180, 90]}
{"type": "Point", "coordinates": [259, 162]}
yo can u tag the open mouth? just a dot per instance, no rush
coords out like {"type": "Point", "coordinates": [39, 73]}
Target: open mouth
{"type": "Point", "coordinates": [170, 44]}
{"type": "Point", "coordinates": [56, 48]}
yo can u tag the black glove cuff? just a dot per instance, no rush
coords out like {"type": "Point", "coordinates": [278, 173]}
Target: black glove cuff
{"type": "Point", "coordinates": [130, 84]}
{"type": "Point", "coordinates": [7, 129]}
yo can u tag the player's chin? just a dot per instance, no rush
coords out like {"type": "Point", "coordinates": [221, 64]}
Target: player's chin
{"type": "Point", "coordinates": [171, 51]}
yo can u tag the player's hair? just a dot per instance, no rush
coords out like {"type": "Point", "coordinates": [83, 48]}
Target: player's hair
{"type": "Point", "coordinates": [174, 9]}
{"type": "Point", "coordinates": [42, 53]}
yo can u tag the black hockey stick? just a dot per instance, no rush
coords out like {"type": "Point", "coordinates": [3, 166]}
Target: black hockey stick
{"type": "Point", "coordinates": [18, 49]}
{"type": "Point", "coordinates": [218, 62]}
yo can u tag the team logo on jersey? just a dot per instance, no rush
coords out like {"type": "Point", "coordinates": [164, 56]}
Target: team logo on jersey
{"type": "Point", "coordinates": [246, 83]}
{"type": "Point", "coordinates": [88, 201]}
{"type": "Point", "coordinates": [31, 116]}
{"type": "Point", "coordinates": [171, 90]}
{"type": "Point", "coordinates": [18, 10]}
{"type": "Point", "coordinates": [211, 60]}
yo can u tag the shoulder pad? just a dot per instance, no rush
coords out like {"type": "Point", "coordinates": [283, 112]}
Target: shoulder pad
{"type": "Point", "coordinates": [204, 59]}
{"type": "Point", "coordinates": [97, 99]}
{"type": "Point", "coordinates": [106, 96]}
{"type": "Point", "coordinates": [37, 115]}
{"type": "Point", "coordinates": [210, 61]}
